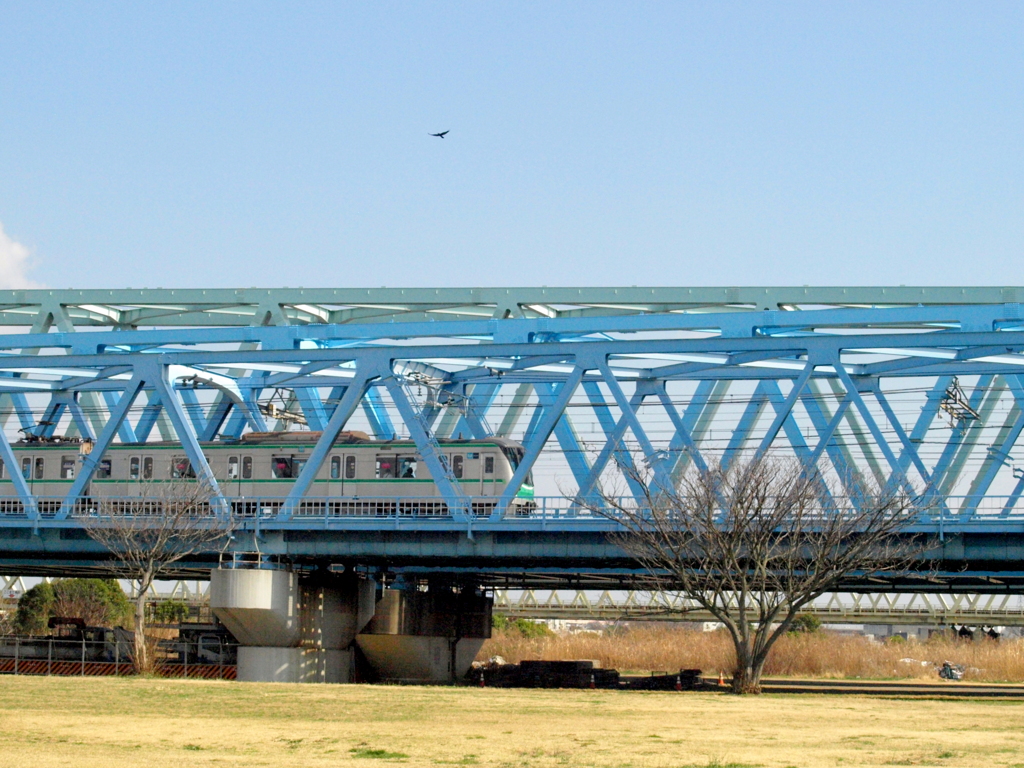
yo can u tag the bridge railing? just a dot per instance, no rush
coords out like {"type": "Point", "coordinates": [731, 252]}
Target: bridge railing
{"type": "Point", "coordinates": [324, 510]}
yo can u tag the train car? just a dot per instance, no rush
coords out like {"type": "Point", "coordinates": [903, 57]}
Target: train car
{"type": "Point", "coordinates": [360, 475]}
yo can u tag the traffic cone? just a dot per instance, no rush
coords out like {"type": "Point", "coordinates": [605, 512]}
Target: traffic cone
{"type": "Point", "coordinates": [482, 682]}
{"type": "Point", "coordinates": [679, 683]}
{"type": "Point", "coordinates": [721, 678]}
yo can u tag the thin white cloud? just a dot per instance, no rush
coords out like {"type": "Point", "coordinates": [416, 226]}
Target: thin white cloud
{"type": "Point", "coordinates": [14, 263]}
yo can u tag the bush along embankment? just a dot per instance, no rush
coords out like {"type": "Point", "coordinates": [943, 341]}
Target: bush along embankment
{"type": "Point", "coordinates": [639, 648]}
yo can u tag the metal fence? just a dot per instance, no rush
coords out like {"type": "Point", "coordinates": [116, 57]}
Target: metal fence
{"type": "Point", "coordinates": [69, 656]}
{"type": "Point", "coordinates": [325, 510]}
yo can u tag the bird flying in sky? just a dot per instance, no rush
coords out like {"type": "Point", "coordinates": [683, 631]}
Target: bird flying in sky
{"type": "Point", "coordinates": [439, 135]}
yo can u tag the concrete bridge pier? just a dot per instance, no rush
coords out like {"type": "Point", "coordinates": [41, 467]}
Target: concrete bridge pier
{"type": "Point", "coordinates": [426, 636]}
{"type": "Point", "coordinates": [333, 611]}
{"type": "Point", "coordinates": [292, 631]}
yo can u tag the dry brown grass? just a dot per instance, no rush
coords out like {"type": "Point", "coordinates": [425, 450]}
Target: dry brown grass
{"type": "Point", "coordinates": [89, 722]}
{"type": "Point", "coordinates": [655, 648]}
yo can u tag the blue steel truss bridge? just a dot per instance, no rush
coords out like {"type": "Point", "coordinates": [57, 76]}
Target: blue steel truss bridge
{"type": "Point", "coordinates": [915, 386]}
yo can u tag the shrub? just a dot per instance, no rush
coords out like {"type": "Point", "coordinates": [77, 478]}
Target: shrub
{"type": "Point", "coordinates": [805, 622]}
{"type": "Point", "coordinates": [35, 608]}
{"type": "Point", "coordinates": [521, 627]}
{"type": "Point", "coordinates": [98, 602]}
{"type": "Point", "coordinates": [170, 612]}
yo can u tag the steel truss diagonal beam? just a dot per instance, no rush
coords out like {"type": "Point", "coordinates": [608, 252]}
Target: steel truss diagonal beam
{"type": "Point", "coordinates": [429, 449]}
{"type": "Point", "coordinates": [614, 431]}
{"type": "Point", "coordinates": [92, 459]}
{"type": "Point", "coordinates": [539, 436]}
{"type": "Point", "coordinates": [342, 413]}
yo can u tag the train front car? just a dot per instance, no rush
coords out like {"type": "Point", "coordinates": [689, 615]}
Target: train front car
{"type": "Point", "coordinates": [360, 476]}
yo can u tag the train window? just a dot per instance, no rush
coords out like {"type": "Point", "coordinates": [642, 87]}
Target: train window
{"type": "Point", "coordinates": [350, 467]}
{"type": "Point", "coordinates": [232, 467]}
{"type": "Point", "coordinates": [181, 467]}
{"type": "Point", "coordinates": [103, 470]}
{"type": "Point", "coordinates": [67, 468]}
{"type": "Point", "coordinates": [1, 468]}
{"type": "Point", "coordinates": [247, 467]}
{"type": "Point", "coordinates": [488, 465]}
{"type": "Point", "coordinates": [133, 468]}
{"type": "Point", "coordinates": [147, 468]}
{"type": "Point", "coordinates": [38, 474]}
{"type": "Point", "coordinates": [281, 467]}
{"type": "Point", "coordinates": [385, 466]}
{"type": "Point", "coordinates": [297, 465]}
{"type": "Point", "coordinates": [26, 468]}
{"type": "Point", "coordinates": [407, 467]}
{"type": "Point", "coordinates": [335, 467]}
{"type": "Point", "coordinates": [457, 465]}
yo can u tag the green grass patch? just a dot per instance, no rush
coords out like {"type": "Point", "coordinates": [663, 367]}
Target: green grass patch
{"type": "Point", "coordinates": [368, 753]}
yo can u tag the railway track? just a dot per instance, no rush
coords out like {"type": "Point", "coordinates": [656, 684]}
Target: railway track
{"type": "Point", "coordinates": [922, 688]}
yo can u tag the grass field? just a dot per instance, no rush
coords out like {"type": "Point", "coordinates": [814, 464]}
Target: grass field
{"type": "Point", "coordinates": [143, 722]}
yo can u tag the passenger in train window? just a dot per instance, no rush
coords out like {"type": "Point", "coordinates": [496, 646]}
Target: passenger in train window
{"type": "Point", "coordinates": [335, 467]}
{"type": "Point", "coordinates": [39, 469]}
{"type": "Point", "coordinates": [181, 467]}
{"type": "Point", "coordinates": [133, 468]}
{"type": "Point", "coordinates": [457, 465]}
{"type": "Point", "coordinates": [350, 467]}
{"type": "Point", "coordinates": [103, 470]}
{"type": "Point", "coordinates": [281, 466]}
{"type": "Point", "coordinates": [408, 467]}
{"type": "Point", "coordinates": [147, 468]}
{"type": "Point", "coordinates": [247, 467]}
{"type": "Point", "coordinates": [232, 467]}
{"type": "Point", "coordinates": [385, 466]}
{"type": "Point", "coordinates": [67, 467]}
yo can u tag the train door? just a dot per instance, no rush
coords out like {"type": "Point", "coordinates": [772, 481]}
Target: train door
{"type": "Point", "coordinates": [488, 462]}
{"type": "Point", "coordinates": [28, 464]}
{"type": "Point", "coordinates": [233, 476]}
{"type": "Point", "coordinates": [349, 475]}
{"type": "Point", "coordinates": [458, 465]}
{"type": "Point", "coordinates": [336, 475]}
{"type": "Point", "coordinates": [134, 469]}
{"type": "Point", "coordinates": [244, 485]}
{"type": "Point", "coordinates": [33, 469]}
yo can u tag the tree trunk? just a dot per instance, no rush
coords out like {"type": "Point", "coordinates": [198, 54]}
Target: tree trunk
{"type": "Point", "coordinates": [141, 658]}
{"type": "Point", "coordinates": [746, 677]}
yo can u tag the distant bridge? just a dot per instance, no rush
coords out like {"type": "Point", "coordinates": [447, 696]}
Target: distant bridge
{"type": "Point", "coordinates": [921, 609]}
{"type": "Point", "coordinates": [941, 609]}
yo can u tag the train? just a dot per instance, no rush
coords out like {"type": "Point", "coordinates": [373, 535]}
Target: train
{"type": "Point", "coordinates": [361, 475]}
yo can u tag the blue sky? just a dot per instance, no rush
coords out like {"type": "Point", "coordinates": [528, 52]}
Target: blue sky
{"type": "Point", "coordinates": [217, 144]}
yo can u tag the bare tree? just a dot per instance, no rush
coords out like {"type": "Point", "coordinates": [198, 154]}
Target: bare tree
{"type": "Point", "coordinates": [7, 615]}
{"type": "Point", "coordinates": [164, 524]}
{"type": "Point", "coordinates": [755, 542]}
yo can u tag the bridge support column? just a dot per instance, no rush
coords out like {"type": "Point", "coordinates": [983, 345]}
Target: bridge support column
{"type": "Point", "coordinates": [430, 636]}
{"type": "Point", "coordinates": [291, 631]}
